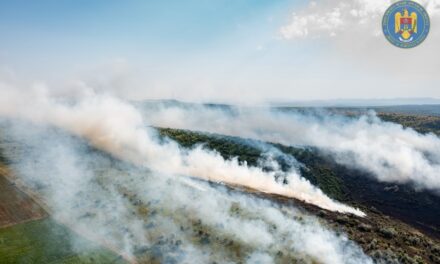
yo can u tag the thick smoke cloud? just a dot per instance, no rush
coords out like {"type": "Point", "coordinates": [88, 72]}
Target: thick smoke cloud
{"type": "Point", "coordinates": [387, 150]}
{"type": "Point", "coordinates": [118, 128]}
{"type": "Point", "coordinates": [135, 211]}
{"type": "Point", "coordinates": [148, 205]}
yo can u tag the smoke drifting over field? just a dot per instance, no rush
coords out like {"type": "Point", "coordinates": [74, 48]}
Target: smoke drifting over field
{"type": "Point", "coordinates": [387, 150]}
{"type": "Point", "coordinates": [118, 128]}
{"type": "Point", "coordinates": [149, 204]}
{"type": "Point", "coordinates": [137, 210]}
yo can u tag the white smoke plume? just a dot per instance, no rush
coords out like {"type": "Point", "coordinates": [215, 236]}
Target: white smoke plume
{"type": "Point", "coordinates": [137, 211]}
{"type": "Point", "coordinates": [387, 150]}
{"type": "Point", "coordinates": [118, 128]}
{"type": "Point", "coordinates": [134, 210]}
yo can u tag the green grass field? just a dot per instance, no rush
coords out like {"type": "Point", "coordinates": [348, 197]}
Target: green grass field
{"type": "Point", "coordinates": [45, 241]}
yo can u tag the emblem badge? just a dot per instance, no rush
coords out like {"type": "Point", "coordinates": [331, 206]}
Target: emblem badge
{"type": "Point", "coordinates": [406, 24]}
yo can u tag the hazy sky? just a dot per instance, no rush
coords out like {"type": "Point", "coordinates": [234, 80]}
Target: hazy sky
{"type": "Point", "coordinates": [224, 50]}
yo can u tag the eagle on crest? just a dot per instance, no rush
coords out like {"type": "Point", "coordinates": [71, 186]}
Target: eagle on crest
{"type": "Point", "coordinates": [405, 24]}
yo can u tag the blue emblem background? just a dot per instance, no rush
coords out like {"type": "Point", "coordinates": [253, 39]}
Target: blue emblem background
{"type": "Point", "coordinates": [423, 23]}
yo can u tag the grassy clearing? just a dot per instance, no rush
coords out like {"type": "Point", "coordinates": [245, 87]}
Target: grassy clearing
{"type": "Point", "coordinates": [45, 241]}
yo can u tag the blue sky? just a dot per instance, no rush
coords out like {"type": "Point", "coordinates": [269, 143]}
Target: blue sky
{"type": "Point", "coordinates": [53, 31]}
{"type": "Point", "coordinates": [204, 50]}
